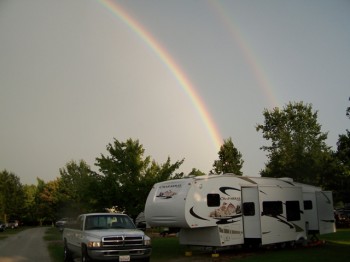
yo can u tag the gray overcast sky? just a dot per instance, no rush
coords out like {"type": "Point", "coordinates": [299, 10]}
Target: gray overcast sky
{"type": "Point", "coordinates": [74, 76]}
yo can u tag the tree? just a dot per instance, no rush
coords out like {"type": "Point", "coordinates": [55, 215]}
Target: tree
{"type": "Point", "coordinates": [196, 172]}
{"type": "Point", "coordinates": [47, 201]}
{"type": "Point", "coordinates": [298, 149]}
{"type": "Point", "coordinates": [341, 176]}
{"type": "Point", "coordinates": [343, 150]}
{"type": "Point", "coordinates": [11, 196]}
{"type": "Point", "coordinates": [337, 171]}
{"type": "Point", "coordinates": [29, 213]}
{"type": "Point", "coordinates": [230, 159]}
{"type": "Point", "coordinates": [128, 176]}
{"type": "Point", "coordinates": [79, 188]}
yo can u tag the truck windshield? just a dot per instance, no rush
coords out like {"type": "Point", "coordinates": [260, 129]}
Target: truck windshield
{"type": "Point", "coordinates": [108, 221]}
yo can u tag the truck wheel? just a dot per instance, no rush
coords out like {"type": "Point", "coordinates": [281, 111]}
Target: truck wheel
{"type": "Point", "coordinates": [84, 255]}
{"type": "Point", "coordinates": [67, 254]}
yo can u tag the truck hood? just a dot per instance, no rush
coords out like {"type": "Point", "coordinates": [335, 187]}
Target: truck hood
{"type": "Point", "coordinates": [114, 232]}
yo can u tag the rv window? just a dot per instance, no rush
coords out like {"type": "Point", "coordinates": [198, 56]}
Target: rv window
{"type": "Point", "coordinates": [307, 205]}
{"type": "Point", "coordinates": [272, 208]}
{"type": "Point", "coordinates": [248, 209]}
{"type": "Point", "coordinates": [293, 210]}
{"type": "Point", "coordinates": [213, 200]}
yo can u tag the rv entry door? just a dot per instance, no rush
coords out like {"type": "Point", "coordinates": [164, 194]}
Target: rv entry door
{"type": "Point", "coordinates": [251, 214]}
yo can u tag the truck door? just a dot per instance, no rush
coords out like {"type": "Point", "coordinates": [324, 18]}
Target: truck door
{"type": "Point", "coordinates": [325, 211]}
{"type": "Point", "coordinates": [251, 215]}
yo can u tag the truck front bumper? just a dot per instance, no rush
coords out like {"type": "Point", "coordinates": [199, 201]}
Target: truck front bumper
{"type": "Point", "coordinates": [113, 254]}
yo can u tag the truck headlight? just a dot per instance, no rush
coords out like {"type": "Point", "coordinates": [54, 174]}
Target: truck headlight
{"type": "Point", "coordinates": [94, 244]}
{"type": "Point", "coordinates": [147, 241]}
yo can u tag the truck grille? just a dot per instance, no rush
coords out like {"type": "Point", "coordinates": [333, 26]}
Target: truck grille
{"type": "Point", "coordinates": [122, 241]}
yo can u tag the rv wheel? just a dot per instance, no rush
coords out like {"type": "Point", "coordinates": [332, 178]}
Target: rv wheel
{"type": "Point", "coordinates": [291, 244]}
{"type": "Point", "coordinates": [282, 245]}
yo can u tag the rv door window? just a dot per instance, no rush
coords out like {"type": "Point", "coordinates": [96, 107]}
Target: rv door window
{"type": "Point", "coordinates": [293, 210]}
{"type": "Point", "coordinates": [272, 208]}
{"type": "Point", "coordinates": [307, 205]}
{"type": "Point", "coordinates": [249, 209]}
{"type": "Point", "coordinates": [213, 200]}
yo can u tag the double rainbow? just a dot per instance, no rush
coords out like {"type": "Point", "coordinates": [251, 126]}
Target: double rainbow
{"type": "Point", "coordinates": [247, 51]}
{"type": "Point", "coordinates": [172, 66]}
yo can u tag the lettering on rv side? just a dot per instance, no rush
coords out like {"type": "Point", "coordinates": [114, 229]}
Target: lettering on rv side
{"type": "Point", "coordinates": [171, 186]}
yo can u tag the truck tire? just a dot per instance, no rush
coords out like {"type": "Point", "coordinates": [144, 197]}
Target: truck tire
{"type": "Point", "coordinates": [67, 253]}
{"type": "Point", "coordinates": [84, 255]}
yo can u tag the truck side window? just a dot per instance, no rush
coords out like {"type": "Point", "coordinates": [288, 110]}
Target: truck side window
{"type": "Point", "coordinates": [248, 209]}
{"type": "Point", "coordinates": [213, 200]}
{"type": "Point", "coordinates": [293, 210]}
{"type": "Point", "coordinates": [272, 208]}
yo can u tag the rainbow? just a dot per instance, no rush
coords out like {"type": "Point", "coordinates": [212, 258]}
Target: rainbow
{"type": "Point", "coordinates": [247, 51]}
{"type": "Point", "coordinates": [172, 66]}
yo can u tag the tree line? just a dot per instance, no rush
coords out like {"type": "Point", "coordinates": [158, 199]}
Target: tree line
{"type": "Point", "coordinates": [296, 147]}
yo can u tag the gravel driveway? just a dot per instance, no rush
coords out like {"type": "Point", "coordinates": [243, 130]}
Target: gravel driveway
{"type": "Point", "coordinates": [27, 245]}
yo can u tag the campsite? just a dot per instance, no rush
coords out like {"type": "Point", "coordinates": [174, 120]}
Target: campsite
{"type": "Point", "coordinates": [336, 247]}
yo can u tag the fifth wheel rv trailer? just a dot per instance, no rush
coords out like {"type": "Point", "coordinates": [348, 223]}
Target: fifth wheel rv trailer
{"type": "Point", "coordinates": [226, 210]}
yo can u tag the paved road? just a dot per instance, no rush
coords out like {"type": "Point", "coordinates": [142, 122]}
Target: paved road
{"type": "Point", "coordinates": [25, 246]}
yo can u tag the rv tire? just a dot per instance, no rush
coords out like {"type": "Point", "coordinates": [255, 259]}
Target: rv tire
{"type": "Point", "coordinates": [282, 245]}
{"type": "Point", "coordinates": [291, 244]}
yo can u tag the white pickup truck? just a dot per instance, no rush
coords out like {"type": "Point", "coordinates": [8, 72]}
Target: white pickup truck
{"type": "Point", "coordinates": [105, 236]}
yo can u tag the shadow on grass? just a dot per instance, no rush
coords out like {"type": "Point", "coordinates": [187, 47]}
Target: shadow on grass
{"type": "Point", "coordinates": [335, 248]}
{"type": "Point", "coordinates": [168, 249]}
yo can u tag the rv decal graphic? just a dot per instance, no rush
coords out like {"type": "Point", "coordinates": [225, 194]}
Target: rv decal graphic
{"type": "Point", "coordinates": [284, 222]}
{"type": "Point", "coordinates": [328, 221]}
{"type": "Point", "coordinates": [229, 231]}
{"type": "Point", "coordinates": [282, 219]}
{"type": "Point", "coordinates": [223, 189]}
{"type": "Point", "coordinates": [247, 179]}
{"type": "Point", "coordinates": [221, 219]}
{"type": "Point", "coordinates": [226, 220]}
{"type": "Point", "coordinates": [328, 201]}
{"type": "Point", "coordinates": [298, 228]}
{"type": "Point", "coordinates": [167, 194]}
{"type": "Point", "coordinates": [226, 212]}
{"type": "Point", "coordinates": [171, 186]}
{"type": "Point", "coordinates": [195, 215]}
{"type": "Point", "coordinates": [288, 182]}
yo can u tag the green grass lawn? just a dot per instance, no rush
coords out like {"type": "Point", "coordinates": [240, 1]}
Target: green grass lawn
{"type": "Point", "coordinates": [336, 247]}
{"type": "Point", "coordinates": [53, 237]}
